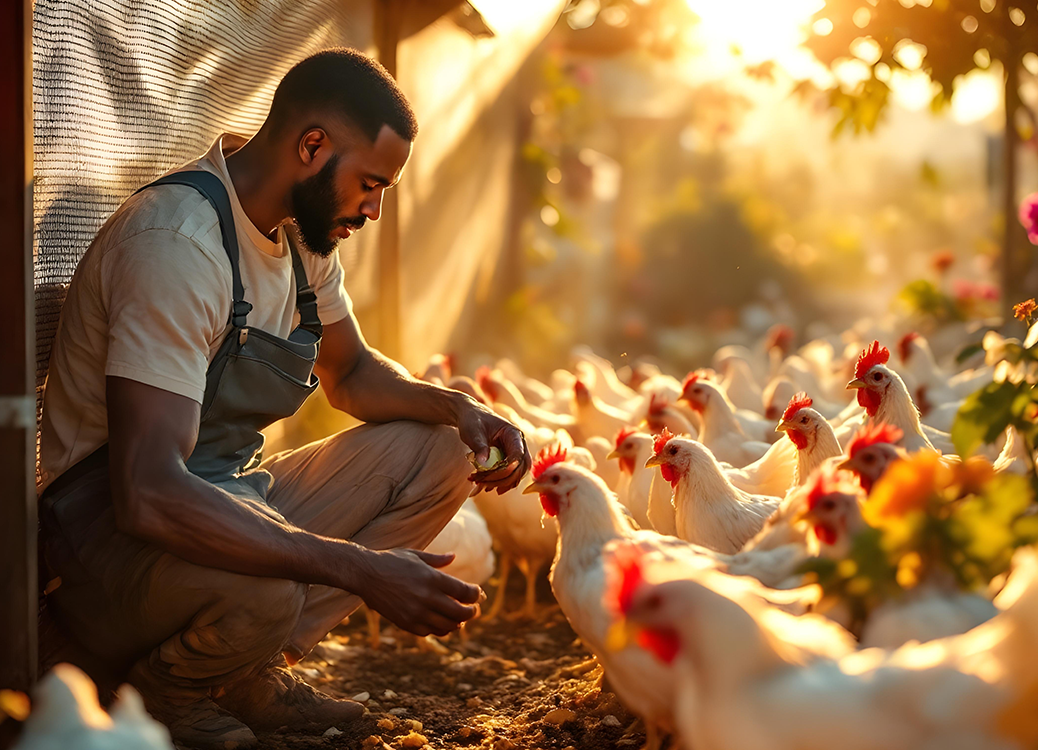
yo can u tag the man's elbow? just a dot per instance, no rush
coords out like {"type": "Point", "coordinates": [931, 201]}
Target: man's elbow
{"type": "Point", "coordinates": [137, 507]}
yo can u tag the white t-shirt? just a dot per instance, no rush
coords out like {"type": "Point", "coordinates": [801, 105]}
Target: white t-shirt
{"type": "Point", "coordinates": [151, 299]}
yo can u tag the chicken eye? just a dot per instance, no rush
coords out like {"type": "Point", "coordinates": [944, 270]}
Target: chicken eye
{"type": "Point", "coordinates": [828, 505]}
{"type": "Point", "coordinates": [555, 479]}
{"type": "Point", "coordinates": [803, 420]}
{"type": "Point", "coordinates": [673, 450]}
{"type": "Point", "coordinates": [868, 458]}
{"type": "Point", "coordinates": [654, 602]}
{"type": "Point", "coordinates": [877, 376]}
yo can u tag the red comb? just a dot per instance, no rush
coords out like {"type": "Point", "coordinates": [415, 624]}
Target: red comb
{"type": "Point", "coordinates": [657, 404]}
{"type": "Point", "coordinates": [452, 362]}
{"type": "Point", "coordinates": [798, 402]}
{"type": "Point", "coordinates": [659, 442]}
{"type": "Point", "coordinates": [691, 378]}
{"type": "Point", "coordinates": [874, 433]}
{"type": "Point", "coordinates": [486, 383]}
{"type": "Point", "coordinates": [548, 457]}
{"type": "Point", "coordinates": [902, 346]}
{"type": "Point", "coordinates": [823, 482]}
{"type": "Point", "coordinates": [871, 355]}
{"type": "Point", "coordinates": [780, 336]}
{"type": "Point", "coordinates": [627, 576]}
{"type": "Point", "coordinates": [580, 390]}
{"type": "Point", "coordinates": [623, 434]}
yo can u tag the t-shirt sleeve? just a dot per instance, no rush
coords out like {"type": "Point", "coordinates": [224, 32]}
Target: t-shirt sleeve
{"type": "Point", "coordinates": [167, 300]}
{"type": "Point", "coordinates": [326, 278]}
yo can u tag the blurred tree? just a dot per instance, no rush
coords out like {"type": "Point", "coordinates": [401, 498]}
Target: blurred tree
{"type": "Point", "coordinates": [956, 37]}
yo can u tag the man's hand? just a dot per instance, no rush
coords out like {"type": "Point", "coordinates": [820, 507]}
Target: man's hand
{"type": "Point", "coordinates": [480, 428]}
{"type": "Point", "coordinates": [404, 586]}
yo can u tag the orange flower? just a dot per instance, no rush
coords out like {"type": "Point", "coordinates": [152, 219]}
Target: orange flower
{"type": "Point", "coordinates": [973, 474]}
{"type": "Point", "coordinates": [1024, 310]}
{"type": "Point", "coordinates": [906, 486]}
{"type": "Point", "coordinates": [942, 260]}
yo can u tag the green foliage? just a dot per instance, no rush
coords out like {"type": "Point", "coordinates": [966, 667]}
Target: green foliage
{"type": "Point", "coordinates": [959, 524]}
{"type": "Point", "coordinates": [922, 297]}
{"type": "Point", "coordinates": [1011, 400]}
{"type": "Point", "coordinates": [952, 31]}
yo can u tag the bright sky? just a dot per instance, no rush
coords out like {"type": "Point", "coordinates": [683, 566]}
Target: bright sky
{"type": "Point", "coordinates": [773, 30]}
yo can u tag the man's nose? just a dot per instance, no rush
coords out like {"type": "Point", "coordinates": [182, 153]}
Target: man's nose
{"type": "Point", "coordinates": [372, 207]}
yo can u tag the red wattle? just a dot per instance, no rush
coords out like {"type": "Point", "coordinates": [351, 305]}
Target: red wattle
{"type": "Point", "coordinates": [669, 474]}
{"type": "Point", "coordinates": [869, 400]}
{"type": "Point", "coordinates": [550, 505]}
{"type": "Point", "coordinates": [627, 464]}
{"type": "Point", "coordinates": [664, 643]}
{"type": "Point", "coordinates": [826, 534]}
{"type": "Point", "coordinates": [799, 439]}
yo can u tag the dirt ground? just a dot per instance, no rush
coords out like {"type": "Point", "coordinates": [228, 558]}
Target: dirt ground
{"type": "Point", "coordinates": [512, 685]}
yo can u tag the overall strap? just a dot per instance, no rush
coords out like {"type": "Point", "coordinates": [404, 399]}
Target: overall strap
{"type": "Point", "coordinates": [213, 190]}
{"type": "Point", "coordinates": [306, 299]}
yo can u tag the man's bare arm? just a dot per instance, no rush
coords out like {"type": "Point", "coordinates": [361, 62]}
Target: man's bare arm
{"type": "Point", "coordinates": [363, 382]}
{"type": "Point", "coordinates": [156, 499]}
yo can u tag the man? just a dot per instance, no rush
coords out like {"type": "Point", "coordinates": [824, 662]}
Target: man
{"type": "Point", "coordinates": [195, 319]}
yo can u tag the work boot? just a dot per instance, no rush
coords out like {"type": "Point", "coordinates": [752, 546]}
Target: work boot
{"type": "Point", "coordinates": [203, 725]}
{"type": "Point", "coordinates": [277, 698]}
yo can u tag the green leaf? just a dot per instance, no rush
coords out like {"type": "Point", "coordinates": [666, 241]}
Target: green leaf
{"type": "Point", "coordinates": [983, 416]}
{"type": "Point", "coordinates": [967, 352]}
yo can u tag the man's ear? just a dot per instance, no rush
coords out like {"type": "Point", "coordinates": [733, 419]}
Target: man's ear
{"type": "Point", "coordinates": [311, 144]}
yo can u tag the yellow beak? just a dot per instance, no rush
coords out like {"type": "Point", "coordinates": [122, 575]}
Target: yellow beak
{"type": "Point", "coordinates": [783, 426]}
{"type": "Point", "coordinates": [620, 635]}
{"type": "Point", "coordinates": [534, 489]}
{"type": "Point", "coordinates": [856, 385]}
{"type": "Point", "coordinates": [804, 514]}
{"type": "Point", "coordinates": [653, 461]}
{"type": "Point", "coordinates": [612, 455]}
{"type": "Point", "coordinates": [845, 465]}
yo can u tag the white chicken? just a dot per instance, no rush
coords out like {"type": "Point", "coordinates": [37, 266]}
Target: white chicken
{"type": "Point", "coordinates": [589, 517]}
{"type": "Point", "coordinates": [596, 418]}
{"type": "Point", "coordinates": [519, 535]}
{"type": "Point", "coordinates": [633, 449]}
{"type": "Point", "coordinates": [883, 394]}
{"type": "Point", "coordinates": [813, 436]}
{"type": "Point", "coordinates": [752, 678]}
{"type": "Point", "coordinates": [66, 715]}
{"type": "Point", "coordinates": [501, 390]}
{"type": "Point", "coordinates": [709, 509]}
{"type": "Point", "coordinates": [467, 536]}
{"type": "Point", "coordinates": [601, 450]}
{"type": "Point", "coordinates": [722, 431]}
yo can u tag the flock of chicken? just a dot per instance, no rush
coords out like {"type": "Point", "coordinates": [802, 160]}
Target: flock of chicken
{"type": "Point", "coordinates": [679, 514]}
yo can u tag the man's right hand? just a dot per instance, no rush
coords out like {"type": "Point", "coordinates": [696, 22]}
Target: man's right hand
{"type": "Point", "coordinates": [405, 587]}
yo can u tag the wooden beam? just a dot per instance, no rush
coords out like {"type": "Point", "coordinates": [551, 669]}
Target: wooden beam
{"type": "Point", "coordinates": [388, 19]}
{"type": "Point", "coordinates": [18, 609]}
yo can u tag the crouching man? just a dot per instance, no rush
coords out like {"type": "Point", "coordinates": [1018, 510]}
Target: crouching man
{"type": "Point", "coordinates": [208, 307]}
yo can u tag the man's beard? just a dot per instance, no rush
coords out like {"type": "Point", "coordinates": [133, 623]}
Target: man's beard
{"type": "Point", "coordinates": [315, 204]}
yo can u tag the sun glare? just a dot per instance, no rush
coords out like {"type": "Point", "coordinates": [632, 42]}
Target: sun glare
{"type": "Point", "coordinates": [760, 29]}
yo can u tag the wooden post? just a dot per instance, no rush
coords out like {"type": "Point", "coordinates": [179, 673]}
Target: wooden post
{"type": "Point", "coordinates": [388, 17]}
{"type": "Point", "coordinates": [19, 606]}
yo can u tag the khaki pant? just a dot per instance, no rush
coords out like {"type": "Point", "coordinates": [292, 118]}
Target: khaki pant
{"type": "Point", "coordinates": [190, 628]}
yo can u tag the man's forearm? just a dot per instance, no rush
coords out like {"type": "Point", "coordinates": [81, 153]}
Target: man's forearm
{"type": "Point", "coordinates": [205, 525]}
{"type": "Point", "coordinates": [378, 389]}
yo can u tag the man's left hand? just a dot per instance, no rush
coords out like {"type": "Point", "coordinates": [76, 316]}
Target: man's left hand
{"type": "Point", "coordinates": [480, 429]}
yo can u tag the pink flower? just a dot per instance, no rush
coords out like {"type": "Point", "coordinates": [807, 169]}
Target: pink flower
{"type": "Point", "coordinates": [964, 289]}
{"type": "Point", "coordinates": [987, 291]}
{"type": "Point", "coordinates": [1029, 217]}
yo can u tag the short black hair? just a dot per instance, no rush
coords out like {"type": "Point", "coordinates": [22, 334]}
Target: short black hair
{"type": "Point", "coordinates": [345, 82]}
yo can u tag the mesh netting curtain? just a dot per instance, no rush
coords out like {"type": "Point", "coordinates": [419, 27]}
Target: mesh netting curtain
{"type": "Point", "coordinates": [125, 89]}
